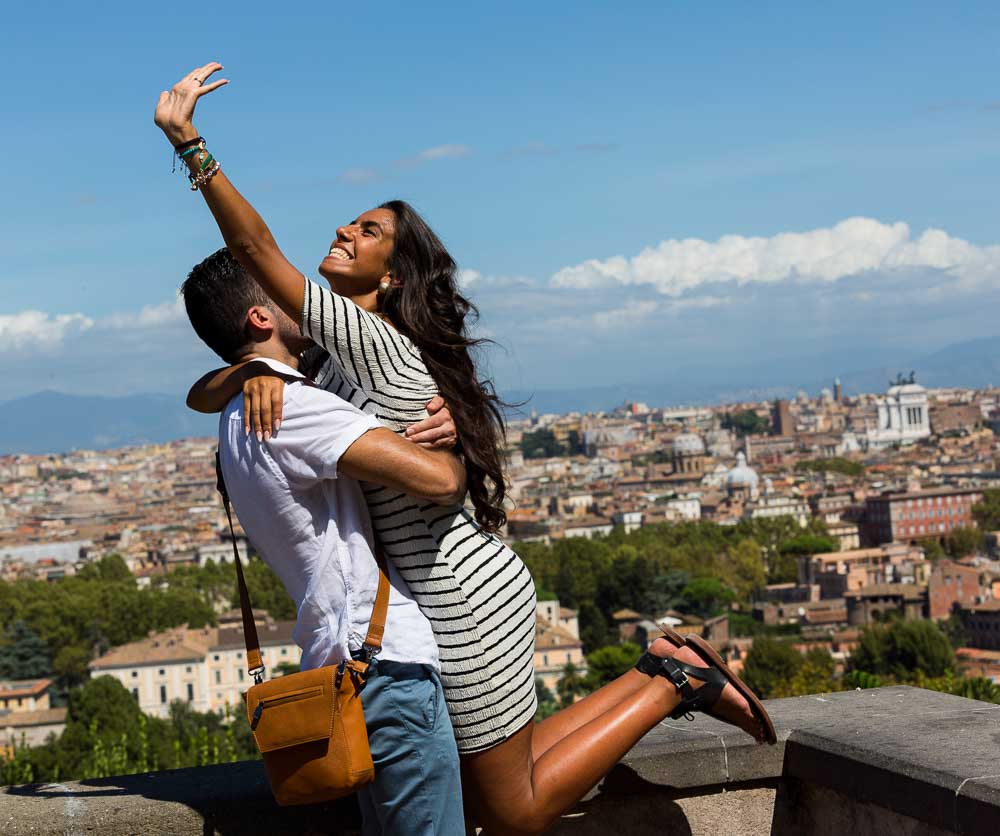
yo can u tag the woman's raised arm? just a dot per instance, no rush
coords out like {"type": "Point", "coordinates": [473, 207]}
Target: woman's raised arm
{"type": "Point", "coordinates": [244, 231]}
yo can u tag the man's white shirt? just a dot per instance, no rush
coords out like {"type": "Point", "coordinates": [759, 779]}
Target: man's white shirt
{"type": "Point", "coordinates": [313, 529]}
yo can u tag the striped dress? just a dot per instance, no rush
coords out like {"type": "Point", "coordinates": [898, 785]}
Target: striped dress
{"type": "Point", "coordinates": [475, 591]}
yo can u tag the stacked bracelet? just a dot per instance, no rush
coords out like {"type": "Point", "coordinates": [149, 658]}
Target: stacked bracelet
{"type": "Point", "coordinates": [198, 140]}
{"type": "Point", "coordinates": [202, 177]}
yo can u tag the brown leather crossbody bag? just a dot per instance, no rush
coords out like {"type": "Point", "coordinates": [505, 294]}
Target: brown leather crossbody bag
{"type": "Point", "coordinates": [310, 726]}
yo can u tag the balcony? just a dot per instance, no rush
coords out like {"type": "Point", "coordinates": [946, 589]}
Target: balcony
{"type": "Point", "coordinates": [888, 761]}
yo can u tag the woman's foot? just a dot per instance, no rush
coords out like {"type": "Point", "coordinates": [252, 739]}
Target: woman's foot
{"type": "Point", "coordinates": [662, 648]}
{"type": "Point", "coordinates": [731, 707]}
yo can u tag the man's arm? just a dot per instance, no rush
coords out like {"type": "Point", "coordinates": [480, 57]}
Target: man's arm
{"type": "Point", "coordinates": [382, 457]}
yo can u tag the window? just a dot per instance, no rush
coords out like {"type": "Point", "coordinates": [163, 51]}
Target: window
{"type": "Point", "coordinates": [135, 674]}
{"type": "Point", "coordinates": [135, 694]}
{"type": "Point", "coordinates": [218, 677]}
{"type": "Point", "coordinates": [239, 674]}
{"type": "Point", "coordinates": [163, 693]}
{"type": "Point", "coordinates": [162, 672]}
{"type": "Point", "coordinates": [215, 657]}
{"type": "Point", "coordinates": [239, 654]}
{"type": "Point", "coordinates": [284, 651]}
{"type": "Point", "coordinates": [190, 690]}
{"type": "Point", "coordinates": [545, 658]}
{"type": "Point", "coordinates": [187, 669]}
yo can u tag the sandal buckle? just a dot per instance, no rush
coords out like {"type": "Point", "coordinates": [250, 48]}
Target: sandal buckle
{"type": "Point", "coordinates": [675, 674]}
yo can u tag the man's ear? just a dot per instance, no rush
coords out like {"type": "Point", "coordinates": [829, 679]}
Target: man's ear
{"type": "Point", "coordinates": [260, 322]}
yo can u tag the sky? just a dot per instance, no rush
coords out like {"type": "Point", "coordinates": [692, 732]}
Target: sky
{"type": "Point", "coordinates": [633, 191]}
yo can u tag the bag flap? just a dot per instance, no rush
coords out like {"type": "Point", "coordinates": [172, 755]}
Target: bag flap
{"type": "Point", "coordinates": [294, 709]}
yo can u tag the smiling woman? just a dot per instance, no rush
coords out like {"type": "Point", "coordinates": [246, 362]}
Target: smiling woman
{"type": "Point", "coordinates": [395, 330]}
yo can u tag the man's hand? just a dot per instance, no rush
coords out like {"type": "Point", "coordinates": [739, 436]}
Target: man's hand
{"type": "Point", "coordinates": [175, 109]}
{"type": "Point", "coordinates": [436, 432]}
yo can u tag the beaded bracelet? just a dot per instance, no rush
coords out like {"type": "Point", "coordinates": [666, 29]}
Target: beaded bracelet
{"type": "Point", "coordinates": [202, 177]}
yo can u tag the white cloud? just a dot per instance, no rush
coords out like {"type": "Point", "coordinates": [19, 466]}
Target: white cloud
{"type": "Point", "coordinates": [151, 316]}
{"type": "Point", "coordinates": [443, 152]}
{"type": "Point", "coordinates": [852, 247]}
{"type": "Point", "coordinates": [29, 331]}
{"type": "Point", "coordinates": [359, 175]}
{"type": "Point", "coordinates": [36, 330]}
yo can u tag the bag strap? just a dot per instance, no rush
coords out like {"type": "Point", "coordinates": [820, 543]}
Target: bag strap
{"type": "Point", "coordinates": [255, 664]}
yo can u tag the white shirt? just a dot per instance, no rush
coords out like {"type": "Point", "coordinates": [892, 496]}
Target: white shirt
{"type": "Point", "coordinates": [313, 529]}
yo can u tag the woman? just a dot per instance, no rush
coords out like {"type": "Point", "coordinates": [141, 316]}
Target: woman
{"type": "Point", "coordinates": [394, 328]}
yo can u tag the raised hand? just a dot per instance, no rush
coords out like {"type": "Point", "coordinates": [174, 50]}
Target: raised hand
{"type": "Point", "coordinates": [175, 109]}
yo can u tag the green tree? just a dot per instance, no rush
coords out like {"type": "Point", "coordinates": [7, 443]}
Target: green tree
{"type": "Point", "coordinates": [987, 513]}
{"type": "Point", "coordinates": [541, 444]}
{"type": "Point", "coordinates": [833, 465]}
{"type": "Point", "coordinates": [962, 541]}
{"type": "Point", "coordinates": [23, 654]}
{"type": "Point", "coordinates": [570, 685]}
{"type": "Point", "coordinates": [769, 665]}
{"type": "Point", "coordinates": [746, 422]}
{"type": "Point", "coordinates": [904, 650]}
{"type": "Point", "coordinates": [746, 571]}
{"type": "Point", "coordinates": [933, 550]}
{"type": "Point", "coordinates": [707, 597]}
{"type": "Point", "coordinates": [546, 701]}
{"type": "Point", "coordinates": [112, 568]}
{"type": "Point", "coordinates": [70, 667]}
{"type": "Point", "coordinates": [814, 676]}
{"type": "Point", "coordinates": [594, 631]}
{"type": "Point", "coordinates": [608, 663]}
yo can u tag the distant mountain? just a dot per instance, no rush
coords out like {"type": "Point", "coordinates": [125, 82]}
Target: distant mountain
{"type": "Point", "coordinates": [52, 422]}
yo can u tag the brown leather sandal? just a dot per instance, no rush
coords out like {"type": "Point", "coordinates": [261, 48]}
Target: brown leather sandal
{"type": "Point", "coordinates": [650, 664]}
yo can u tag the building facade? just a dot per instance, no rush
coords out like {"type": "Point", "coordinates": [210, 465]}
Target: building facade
{"type": "Point", "coordinates": [205, 668]}
{"type": "Point", "coordinates": [911, 516]}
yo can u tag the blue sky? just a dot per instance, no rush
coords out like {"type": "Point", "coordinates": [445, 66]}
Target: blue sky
{"type": "Point", "coordinates": [728, 143]}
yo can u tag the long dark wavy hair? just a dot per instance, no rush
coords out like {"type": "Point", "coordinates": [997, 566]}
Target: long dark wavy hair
{"type": "Point", "coordinates": [425, 304]}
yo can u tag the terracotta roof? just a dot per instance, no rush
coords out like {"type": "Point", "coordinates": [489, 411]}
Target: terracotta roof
{"type": "Point", "coordinates": [908, 591]}
{"type": "Point", "coordinates": [32, 718]}
{"type": "Point", "coordinates": [548, 635]}
{"type": "Point", "coordinates": [271, 634]}
{"type": "Point", "coordinates": [20, 688]}
{"type": "Point", "coordinates": [177, 645]}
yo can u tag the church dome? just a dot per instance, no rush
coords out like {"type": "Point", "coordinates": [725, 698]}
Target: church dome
{"type": "Point", "coordinates": [742, 476]}
{"type": "Point", "coordinates": [688, 444]}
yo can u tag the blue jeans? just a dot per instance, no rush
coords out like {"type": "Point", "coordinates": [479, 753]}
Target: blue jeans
{"type": "Point", "coordinates": [417, 787]}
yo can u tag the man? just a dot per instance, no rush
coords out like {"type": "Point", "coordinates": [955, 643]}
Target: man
{"type": "Point", "coordinates": [298, 498]}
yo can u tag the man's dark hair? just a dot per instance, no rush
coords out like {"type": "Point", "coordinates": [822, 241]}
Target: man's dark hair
{"type": "Point", "coordinates": [217, 294]}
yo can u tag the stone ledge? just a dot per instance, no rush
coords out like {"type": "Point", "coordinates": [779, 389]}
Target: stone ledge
{"type": "Point", "coordinates": [929, 757]}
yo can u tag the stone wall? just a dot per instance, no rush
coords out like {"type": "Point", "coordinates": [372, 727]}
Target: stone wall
{"type": "Point", "coordinates": [887, 761]}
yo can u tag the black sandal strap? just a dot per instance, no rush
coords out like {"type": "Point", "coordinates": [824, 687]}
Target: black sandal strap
{"type": "Point", "coordinates": [693, 700]}
{"type": "Point", "coordinates": [649, 664]}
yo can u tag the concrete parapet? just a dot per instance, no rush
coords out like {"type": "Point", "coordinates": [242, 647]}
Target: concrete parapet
{"type": "Point", "coordinates": [887, 761]}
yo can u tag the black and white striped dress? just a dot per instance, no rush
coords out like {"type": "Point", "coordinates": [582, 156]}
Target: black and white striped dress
{"type": "Point", "coordinates": [476, 592]}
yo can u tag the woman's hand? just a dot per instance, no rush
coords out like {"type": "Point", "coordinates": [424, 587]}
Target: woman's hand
{"type": "Point", "coordinates": [263, 398]}
{"type": "Point", "coordinates": [175, 109]}
{"type": "Point", "coordinates": [438, 431]}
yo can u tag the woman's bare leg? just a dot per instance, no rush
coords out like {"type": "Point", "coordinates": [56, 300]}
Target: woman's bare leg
{"type": "Point", "coordinates": [510, 792]}
{"type": "Point", "coordinates": [566, 721]}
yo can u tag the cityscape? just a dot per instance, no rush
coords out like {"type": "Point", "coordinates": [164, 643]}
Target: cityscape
{"type": "Point", "coordinates": [885, 507]}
